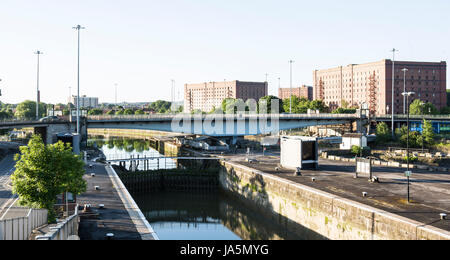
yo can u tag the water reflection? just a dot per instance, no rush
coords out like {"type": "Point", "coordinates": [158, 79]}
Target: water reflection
{"type": "Point", "coordinates": [124, 148]}
{"type": "Point", "coordinates": [209, 216]}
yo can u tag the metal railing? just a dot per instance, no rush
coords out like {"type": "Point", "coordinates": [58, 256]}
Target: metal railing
{"type": "Point", "coordinates": [225, 116]}
{"type": "Point", "coordinates": [64, 230]}
{"type": "Point", "coordinates": [21, 228]}
{"type": "Point", "coordinates": [447, 117]}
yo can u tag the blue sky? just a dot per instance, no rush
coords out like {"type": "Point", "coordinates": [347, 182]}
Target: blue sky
{"type": "Point", "coordinates": [142, 45]}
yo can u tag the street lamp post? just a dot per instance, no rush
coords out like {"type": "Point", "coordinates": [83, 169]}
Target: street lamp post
{"type": "Point", "coordinates": [78, 28]}
{"type": "Point", "coordinates": [290, 100]}
{"type": "Point", "coordinates": [404, 89]}
{"type": "Point", "coordinates": [407, 95]}
{"type": "Point", "coordinates": [393, 76]}
{"type": "Point", "coordinates": [38, 53]}
{"type": "Point", "coordinates": [422, 104]}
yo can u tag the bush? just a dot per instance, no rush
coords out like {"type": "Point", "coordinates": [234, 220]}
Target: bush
{"type": "Point", "coordinates": [411, 159]}
{"type": "Point", "coordinates": [357, 151]}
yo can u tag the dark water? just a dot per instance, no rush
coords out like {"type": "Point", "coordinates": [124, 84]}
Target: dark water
{"type": "Point", "coordinates": [212, 216]}
{"type": "Point", "coordinates": [202, 215]}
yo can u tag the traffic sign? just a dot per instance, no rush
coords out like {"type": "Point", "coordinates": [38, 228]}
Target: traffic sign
{"type": "Point", "coordinates": [408, 173]}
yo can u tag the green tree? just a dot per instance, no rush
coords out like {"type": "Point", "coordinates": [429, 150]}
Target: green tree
{"type": "Point", "coordinates": [383, 133]}
{"type": "Point", "coordinates": [95, 112]}
{"type": "Point", "coordinates": [128, 111]}
{"type": "Point", "coordinates": [160, 106]}
{"type": "Point", "coordinates": [417, 107]}
{"type": "Point", "coordinates": [318, 105]}
{"type": "Point", "coordinates": [265, 105]}
{"type": "Point", "coordinates": [428, 133]}
{"type": "Point", "coordinates": [110, 113]}
{"type": "Point", "coordinates": [445, 111]}
{"type": "Point", "coordinates": [27, 110]}
{"type": "Point", "coordinates": [44, 172]}
{"type": "Point", "coordinates": [233, 106]}
{"type": "Point", "coordinates": [415, 138]}
{"type": "Point", "coordinates": [448, 97]}
{"type": "Point", "coordinates": [66, 112]}
{"type": "Point", "coordinates": [119, 112]}
{"type": "Point", "coordinates": [344, 111]}
{"type": "Point", "coordinates": [139, 112]}
{"type": "Point", "coordinates": [344, 104]}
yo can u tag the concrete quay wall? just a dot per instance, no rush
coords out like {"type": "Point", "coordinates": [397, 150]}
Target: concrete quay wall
{"type": "Point", "coordinates": [330, 216]}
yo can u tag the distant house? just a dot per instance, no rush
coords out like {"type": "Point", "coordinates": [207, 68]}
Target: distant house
{"type": "Point", "coordinates": [349, 140]}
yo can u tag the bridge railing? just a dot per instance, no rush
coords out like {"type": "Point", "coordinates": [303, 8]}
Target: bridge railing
{"type": "Point", "coordinates": [225, 116]}
{"type": "Point", "coordinates": [432, 117]}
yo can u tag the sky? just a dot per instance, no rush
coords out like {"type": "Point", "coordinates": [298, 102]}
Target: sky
{"type": "Point", "coordinates": [141, 45]}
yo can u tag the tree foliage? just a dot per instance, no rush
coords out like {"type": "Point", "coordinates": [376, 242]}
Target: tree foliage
{"type": "Point", "coordinates": [139, 112]}
{"type": "Point", "coordinates": [27, 110]}
{"type": "Point", "coordinates": [95, 112]}
{"type": "Point", "coordinates": [44, 172]}
{"type": "Point", "coordinates": [342, 110]}
{"type": "Point", "coordinates": [383, 133]}
{"type": "Point", "coordinates": [428, 133]}
{"type": "Point", "coordinates": [419, 108]}
{"type": "Point", "coordinates": [265, 105]}
{"type": "Point", "coordinates": [160, 106]}
{"type": "Point", "coordinates": [415, 138]}
{"type": "Point", "coordinates": [128, 111]}
{"type": "Point", "coordinates": [301, 105]}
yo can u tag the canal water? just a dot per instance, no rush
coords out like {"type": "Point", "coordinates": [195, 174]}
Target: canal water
{"type": "Point", "coordinates": [199, 215]}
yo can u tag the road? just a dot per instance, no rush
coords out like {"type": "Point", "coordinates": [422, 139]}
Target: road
{"type": "Point", "coordinates": [6, 169]}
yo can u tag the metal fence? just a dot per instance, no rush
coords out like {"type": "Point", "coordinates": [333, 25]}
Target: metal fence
{"type": "Point", "coordinates": [225, 116]}
{"type": "Point", "coordinates": [64, 230]}
{"type": "Point", "coordinates": [21, 228]}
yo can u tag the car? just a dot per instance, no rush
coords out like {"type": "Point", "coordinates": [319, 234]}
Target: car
{"type": "Point", "coordinates": [49, 119]}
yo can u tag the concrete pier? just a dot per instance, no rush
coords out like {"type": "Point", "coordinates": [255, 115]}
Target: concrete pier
{"type": "Point", "coordinates": [120, 215]}
{"type": "Point", "coordinates": [333, 205]}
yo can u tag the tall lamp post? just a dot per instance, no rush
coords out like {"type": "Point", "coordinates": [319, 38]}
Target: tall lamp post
{"type": "Point", "coordinates": [404, 89]}
{"type": "Point", "coordinates": [78, 28]}
{"type": "Point", "coordinates": [393, 77]}
{"type": "Point", "coordinates": [38, 53]}
{"type": "Point", "coordinates": [290, 100]}
{"type": "Point", "coordinates": [408, 173]}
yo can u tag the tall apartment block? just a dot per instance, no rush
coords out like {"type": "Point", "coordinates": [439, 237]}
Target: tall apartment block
{"type": "Point", "coordinates": [85, 102]}
{"type": "Point", "coordinates": [207, 96]}
{"type": "Point", "coordinates": [301, 92]}
{"type": "Point", "coordinates": [371, 83]}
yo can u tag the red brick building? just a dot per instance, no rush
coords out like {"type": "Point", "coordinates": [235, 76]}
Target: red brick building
{"type": "Point", "coordinates": [207, 96]}
{"type": "Point", "coordinates": [303, 91]}
{"type": "Point", "coordinates": [372, 83]}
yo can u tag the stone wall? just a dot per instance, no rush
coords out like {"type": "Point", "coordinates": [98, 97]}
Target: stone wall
{"type": "Point", "coordinates": [328, 215]}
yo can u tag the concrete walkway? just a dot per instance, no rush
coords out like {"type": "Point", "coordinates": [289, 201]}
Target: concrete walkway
{"type": "Point", "coordinates": [114, 218]}
{"type": "Point", "coordinates": [430, 191]}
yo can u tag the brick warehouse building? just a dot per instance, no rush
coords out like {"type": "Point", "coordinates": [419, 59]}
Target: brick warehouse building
{"type": "Point", "coordinates": [372, 83]}
{"type": "Point", "coordinates": [303, 91]}
{"type": "Point", "coordinates": [207, 96]}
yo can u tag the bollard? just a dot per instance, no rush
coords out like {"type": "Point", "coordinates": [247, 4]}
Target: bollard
{"type": "Point", "coordinates": [298, 172]}
{"type": "Point", "coordinates": [109, 236]}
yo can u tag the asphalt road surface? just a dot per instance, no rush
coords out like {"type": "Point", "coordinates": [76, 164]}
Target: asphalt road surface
{"type": "Point", "coordinates": [6, 169]}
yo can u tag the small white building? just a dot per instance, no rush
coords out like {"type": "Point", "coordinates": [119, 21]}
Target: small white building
{"type": "Point", "coordinates": [349, 140]}
{"type": "Point", "coordinates": [299, 152]}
